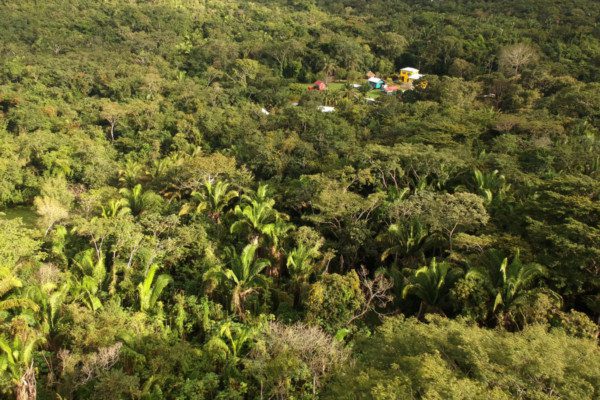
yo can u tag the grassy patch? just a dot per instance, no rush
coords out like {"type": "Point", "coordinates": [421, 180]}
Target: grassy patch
{"type": "Point", "coordinates": [26, 213]}
{"type": "Point", "coordinates": [373, 94]}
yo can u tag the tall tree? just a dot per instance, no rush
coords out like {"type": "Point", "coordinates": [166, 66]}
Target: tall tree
{"type": "Point", "coordinates": [244, 272]}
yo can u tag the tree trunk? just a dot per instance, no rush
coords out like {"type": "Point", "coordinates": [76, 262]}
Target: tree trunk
{"type": "Point", "coordinates": [26, 388]}
{"type": "Point", "coordinates": [421, 312]}
{"type": "Point", "coordinates": [274, 271]}
{"type": "Point", "coordinates": [297, 296]}
{"type": "Point", "coordinates": [112, 130]}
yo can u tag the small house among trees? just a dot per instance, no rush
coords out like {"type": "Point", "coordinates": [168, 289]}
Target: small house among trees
{"type": "Point", "coordinates": [409, 74]}
{"type": "Point", "coordinates": [376, 83]}
{"type": "Point", "coordinates": [318, 86]}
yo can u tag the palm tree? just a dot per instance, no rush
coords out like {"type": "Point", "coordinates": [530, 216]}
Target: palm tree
{"type": "Point", "coordinates": [213, 197]}
{"type": "Point", "coordinates": [116, 208]}
{"type": "Point", "coordinates": [245, 275]}
{"type": "Point", "coordinates": [9, 299]}
{"type": "Point", "coordinates": [276, 231]}
{"type": "Point", "coordinates": [509, 285]}
{"type": "Point", "coordinates": [50, 299]}
{"type": "Point", "coordinates": [88, 265]}
{"type": "Point", "coordinates": [150, 290]}
{"type": "Point", "coordinates": [16, 363]}
{"type": "Point", "coordinates": [405, 239]}
{"type": "Point", "coordinates": [256, 214]}
{"type": "Point", "coordinates": [88, 286]}
{"type": "Point", "coordinates": [431, 284]}
{"type": "Point", "coordinates": [300, 267]}
{"type": "Point", "coordinates": [131, 172]}
{"type": "Point", "coordinates": [491, 185]}
{"type": "Point", "coordinates": [233, 337]}
{"type": "Point", "coordinates": [162, 166]}
{"type": "Point", "coordinates": [237, 336]}
{"type": "Point", "coordinates": [137, 199]}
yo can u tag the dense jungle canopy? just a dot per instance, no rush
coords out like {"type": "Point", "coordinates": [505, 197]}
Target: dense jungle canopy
{"type": "Point", "coordinates": [181, 218]}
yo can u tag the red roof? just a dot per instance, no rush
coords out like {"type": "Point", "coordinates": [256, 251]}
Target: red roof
{"type": "Point", "coordinates": [390, 89]}
{"type": "Point", "coordinates": [320, 85]}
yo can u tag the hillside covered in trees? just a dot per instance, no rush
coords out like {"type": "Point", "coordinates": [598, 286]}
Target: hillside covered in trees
{"type": "Point", "coordinates": [182, 219]}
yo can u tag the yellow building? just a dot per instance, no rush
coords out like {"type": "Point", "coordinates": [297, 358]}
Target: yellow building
{"type": "Point", "coordinates": [409, 74]}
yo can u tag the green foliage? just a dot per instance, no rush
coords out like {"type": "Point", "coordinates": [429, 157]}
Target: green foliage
{"type": "Point", "coordinates": [139, 200]}
{"type": "Point", "coordinates": [334, 300]}
{"type": "Point", "coordinates": [9, 298]}
{"type": "Point", "coordinates": [149, 290]}
{"type": "Point", "coordinates": [257, 214]}
{"type": "Point", "coordinates": [431, 283]}
{"type": "Point", "coordinates": [245, 275]}
{"type": "Point", "coordinates": [16, 360]}
{"type": "Point", "coordinates": [181, 134]}
{"type": "Point", "coordinates": [450, 359]}
{"type": "Point", "coordinates": [492, 186]}
{"type": "Point", "coordinates": [215, 196]}
{"type": "Point", "coordinates": [17, 243]}
{"type": "Point", "coordinates": [509, 285]}
{"type": "Point", "coordinates": [405, 239]}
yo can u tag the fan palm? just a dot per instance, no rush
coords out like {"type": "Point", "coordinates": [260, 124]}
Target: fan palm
{"type": "Point", "coordinates": [405, 239]}
{"type": "Point", "coordinates": [245, 275]}
{"type": "Point", "coordinates": [300, 268]}
{"type": "Point", "coordinates": [150, 290]}
{"type": "Point", "coordinates": [16, 364]}
{"type": "Point", "coordinates": [213, 197]}
{"type": "Point", "coordinates": [510, 284]}
{"type": "Point", "coordinates": [431, 284]}
{"type": "Point", "coordinates": [9, 299]}
{"type": "Point", "coordinates": [137, 199]}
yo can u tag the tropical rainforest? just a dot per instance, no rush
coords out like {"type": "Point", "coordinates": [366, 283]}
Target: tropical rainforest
{"type": "Point", "coordinates": [180, 219]}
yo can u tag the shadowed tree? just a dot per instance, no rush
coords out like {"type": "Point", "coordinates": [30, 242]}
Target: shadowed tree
{"type": "Point", "coordinates": [300, 267]}
{"type": "Point", "coordinates": [509, 285]}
